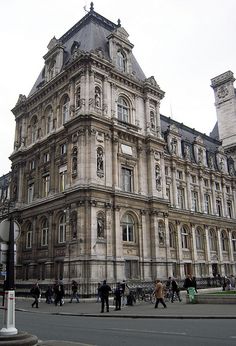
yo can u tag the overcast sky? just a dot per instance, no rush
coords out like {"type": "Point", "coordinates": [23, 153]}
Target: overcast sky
{"type": "Point", "coordinates": [182, 43]}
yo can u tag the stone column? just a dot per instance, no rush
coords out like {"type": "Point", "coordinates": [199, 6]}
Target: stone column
{"type": "Point", "coordinates": [87, 91]}
{"type": "Point", "coordinates": [115, 168]}
{"type": "Point", "coordinates": [147, 115]}
{"type": "Point", "coordinates": [83, 92]}
{"type": "Point", "coordinates": [174, 186]}
{"type": "Point", "coordinates": [143, 236]}
{"type": "Point", "coordinates": [139, 154]}
{"type": "Point", "coordinates": [220, 254]}
{"type": "Point", "coordinates": [208, 251]}
{"type": "Point", "coordinates": [179, 249]}
{"type": "Point", "coordinates": [154, 241]}
{"type": "Point", "coordinates": [189, 197]}
{"type": "Point", "coordinates": [194, 248]}
{"type": "Point", "coordinates": [118, 246]}
{"type": "Point", "coordinates": [231, 251]}
{"type": "Point", "coordinates": [105, 97]}
{"type": "Point", "coordinates": [91, 91]}
{"type": "Point", "coordinates": [150, 172]}
{"type": "Point", "coordinates": [201, 196]}
{"type": "Point", "coordinates": [168, 254]}
{"type": "Point", "coordinates": [213, 195]}
{"type": "Point", "coordinates": [224, 200]}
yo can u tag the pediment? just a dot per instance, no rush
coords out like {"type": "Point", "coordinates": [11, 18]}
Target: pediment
{"type": "Point", "coordinates": [122, 33]}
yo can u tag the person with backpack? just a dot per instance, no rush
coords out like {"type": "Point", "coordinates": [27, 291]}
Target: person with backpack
{"type": "Point", "coordinates": [74, 289]}
{"type": "Point", "coordinates": [35, 292]}
{"type": "Point", "coordinates": [105, 289]}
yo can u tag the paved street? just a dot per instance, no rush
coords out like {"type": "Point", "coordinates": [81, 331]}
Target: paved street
{"type": "Point", "coordinates": [212, 324]}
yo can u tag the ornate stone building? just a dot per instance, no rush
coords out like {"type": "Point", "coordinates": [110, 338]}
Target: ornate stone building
{"type": "Point", "coordinates": [105, 185]}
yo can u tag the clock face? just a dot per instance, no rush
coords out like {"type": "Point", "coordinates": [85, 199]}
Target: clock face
{"type": "Point", "coordinates": [222, 92]}
{"type": "Point", "coordinates": [5, 230]}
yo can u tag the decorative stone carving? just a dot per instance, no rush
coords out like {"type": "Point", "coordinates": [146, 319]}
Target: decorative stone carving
{"type": "Point", "coordinates": [100, 162]}
{"type": "Point", "coordinates": [158, 177]}
{"type": "Point", "coordinates": [173, 146]}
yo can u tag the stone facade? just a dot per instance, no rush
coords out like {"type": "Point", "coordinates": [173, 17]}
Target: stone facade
{"type": "Point", "coordinates": [106, 186]}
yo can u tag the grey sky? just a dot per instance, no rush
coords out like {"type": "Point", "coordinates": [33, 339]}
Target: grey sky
{"type": "Point", "coordinates": [182, 43]}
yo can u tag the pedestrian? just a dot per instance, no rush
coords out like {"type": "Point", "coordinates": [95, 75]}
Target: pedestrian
{"type": "Point", "coordinates": [104, 292]}
{"type": "Point", "coordinates": [194, 281]}
{"type": "Point", "coordinates": [188, 282]}
{"type": "Point", "coordinates": [48, 295]}
{"type": "Point", "coordinates": [74, 289]}
{"type": "Point", "coordinates": [175, 290]}
{"type": "Point", "coordinates": [118, 293]}
{"type": "Point", "coordinates": [35, 292]}
{"type": "Point", "coordinates": [159, 294]}
{"type": "Point", "coordinates": [124, 293]}
{"type": "Point", "coordinates": [59, 293]}
{"type": "Point", "coordinates": [98, 292]}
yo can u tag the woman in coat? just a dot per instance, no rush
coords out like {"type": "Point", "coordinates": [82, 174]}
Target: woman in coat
{"type": "Point", "coordinates": [159, 294]}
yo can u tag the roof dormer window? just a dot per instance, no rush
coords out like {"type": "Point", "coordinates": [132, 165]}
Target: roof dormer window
{"type": "Point", "coordinates": [121, 61]}
{"type": "Point", "coordinates": [52, 69]}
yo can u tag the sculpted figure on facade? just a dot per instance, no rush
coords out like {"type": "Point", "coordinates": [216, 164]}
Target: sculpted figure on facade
{"type": "Point", "coordinates": [100, 226]}
{"type": "Point", "coordinates": [97, 97]}
{"type": "Point", "coordinates": [158, 177]}
{"type": "Point", "coordinates": [173, 146]}
{"type": "Point", "coordinates": [187, 152]}
{"type": "Point", "coordinates": [100, 162]}
{"type": "Point", "coordinates": [161, 233]}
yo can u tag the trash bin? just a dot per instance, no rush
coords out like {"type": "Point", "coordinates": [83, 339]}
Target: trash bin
{"type": "Point", "coordinates": [191, 294]}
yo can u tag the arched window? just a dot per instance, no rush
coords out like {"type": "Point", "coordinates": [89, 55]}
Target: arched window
{"type": "Point", "coordinates": [62, 229]}
{"type": "Point", "coordinates": [128, 228]}
{"type": "Point", "coordinates": [212, 240]}
{"type": "Point", "coordinates": [44, 232]}
{"type": "Point", "coordinates": [29, 235]}
{"type": "Point", "coordinates": [224, 241]}
{"type": "Point", "coordinates": [121, 61]}
{"type": "Point", "coordinates": [184, 237]}
{"type": "Point", "coordinates": [123, 110]}
{"type": "Point", "coordinates": [49, 120]}
{"type": "Point", "coordinates": [34, 129]}
{"type": "Point", "coordinates": [234, 241]}
{"type": "Point", "coordinates": [65, 109]}
{"type": "Point", "coordinates": [199, 239]}
{"type": "Point", "coordinates": [172, 236]}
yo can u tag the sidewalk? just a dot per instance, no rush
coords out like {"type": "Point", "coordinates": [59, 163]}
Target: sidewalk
{"type": "Point", "coordinates": [89, 308]}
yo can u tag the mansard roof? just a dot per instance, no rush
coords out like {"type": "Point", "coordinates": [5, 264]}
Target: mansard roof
{"type": "Point", "coordinates": [90, 33]}
{"type": "Point", "coordinates": [189, 135]}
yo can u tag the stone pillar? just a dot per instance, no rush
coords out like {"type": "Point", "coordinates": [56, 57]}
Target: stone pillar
{"type": "Point", "coordinates": [53, 173]}
{"type": "Point", "coordinates": [163, 178]}
{"type": "Point", "coordinates": [208, 251]}
{"type": "Point", "coordinates": [110, 241]}
{"type": "Point", "coordinates": [213, 195]}
{"type": "Point", "coordinates": [87, 91]}
{"type": "Point", "coordinates": [105, 97]}
{"type": "Point", "coordinates": [231, 251]}
{"type": "Point", "coordinates": [154, 241]}
{"type": "Point", "coordinates": [118, 248]}
{"type": "Point", "coordinates": [139, 154]}
{"type": "Point", "coordinates": [91, 91]}
{"type": "Point", "coordinates": [189, 197]}
{"type": "Point", "coordinates": [201, 195]}
{"type": "Point", "coordinates": [220, 254]}
{"type": "Point", "coordinates": [83, 92]}
{"type": "Point", "coordinates": [179, 249]}
{"type": "Point", "coordinates": [147, 116]}
{"type": "Point", "coordinates": [167, 245]}
{"type": "Point", "coordinates": [174, 186]}
{"type": "Point", "coordinates": [194, 248]}
{"type": "Point", "coordinates": [224, 200]}
{"type": "Point", "coordinates": [115, 168]}
{"type": "Point", "coordinates": [150, 172]}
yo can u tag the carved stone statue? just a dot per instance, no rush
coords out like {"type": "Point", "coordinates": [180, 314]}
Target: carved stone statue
{"type": "Point", "coordinates": [173, 146]}
{"type": "Point", "coordinates": [100, 227]}
{"type": "Point", "coordinates": [158, 177]}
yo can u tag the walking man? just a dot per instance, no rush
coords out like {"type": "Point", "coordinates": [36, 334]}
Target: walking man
{"type": "Point", "coordinates": [104, 291]}
{"type": "Point", "coordinates": [159, 294]}
{"type": "Point", "coordinates": [175, 290]}
{"type": "Point", "coordinates": [75, 294]}
{"type": "Point", "coordinates": [35, 291]}
{"type": "Point", "coordinates": [118, 292]}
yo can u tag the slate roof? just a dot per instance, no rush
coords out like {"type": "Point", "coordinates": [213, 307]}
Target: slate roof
{"type": "Point", "coordinates": [90, 33]}
{"type": "Point", "coordinates": [188, 134]}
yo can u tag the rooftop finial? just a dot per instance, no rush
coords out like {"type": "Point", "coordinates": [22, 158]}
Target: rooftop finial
{"type": "Point", "coordinates": [118, 21]}
{"type": "Point", "coordinates": [91, 6]}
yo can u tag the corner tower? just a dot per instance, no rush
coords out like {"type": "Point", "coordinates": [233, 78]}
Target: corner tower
{"type": "Point", "coordinates": [225, 102]}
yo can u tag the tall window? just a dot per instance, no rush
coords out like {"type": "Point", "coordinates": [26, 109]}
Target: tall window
{"type": "Point", "coordinates": [184, 237]}
{"type": "Point", "coordinates": [121, 61]}
{"type": "Point", "coordinates": [219, 207]}
{"type": "Point", "coordinates": [207, 204]}
{"type": "Point", "coordinates": [65, 110]}
{"type": "Point", "coordinates": [29, 234]}
{"type": "Point", "coordinates": [44, 233]}
{"type": "Point", "coordinates": [194, 201]}
{"type": "Point", "coordinates": [62, 229]}
{"type": "Point", "coordinates": [229, 208]}
{"type": "Point", "coordinates": [34, 129]}
{"type": "Point", "coordinates": [199, 239]}
{"type": "Point", "coordinates": [127, 179]}
{"type": "Point", "coordinates": [224, 241]}
{"type": "Point", "coordinates": [127, 228]}
{"type": "Point", "coordinates": [123, 110]}
{"type": "Point", "coordinates": [172, 236]}
{"type": "Point", "coordinates": [46, 185]}
{"type": "Point", "coordinates": [212, 240]}
{"type": "Point", "coordinates": [63, 149]}
{"type": "Point", "coordinates": [180, 192]}
{"type": "Point", "coordinates": [30, 193]}
{"type": "Point", "coordinates": [62, 178]}
{"type": "Point", "coordinates": [234, 241]}
{"type": "Point", "coordinates": [49, 120]}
